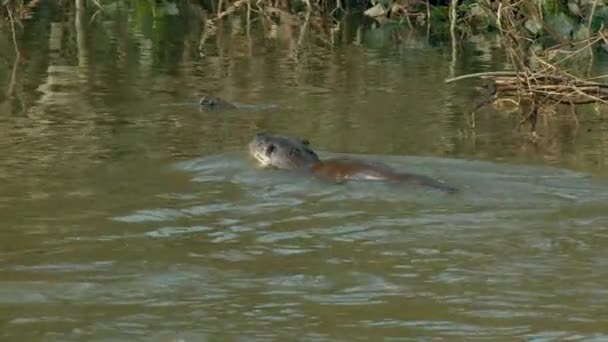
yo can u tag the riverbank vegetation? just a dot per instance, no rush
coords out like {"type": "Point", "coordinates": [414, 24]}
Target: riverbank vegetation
{"type": "Point", "coordinates": [551, 46]}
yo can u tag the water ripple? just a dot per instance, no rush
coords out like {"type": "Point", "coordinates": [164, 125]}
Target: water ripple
{"type": "Point", "coordinates": [270, 249]}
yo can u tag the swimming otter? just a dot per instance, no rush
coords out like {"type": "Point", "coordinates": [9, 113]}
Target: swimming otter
{"type": "Point", "coordinates": [295, 154]}
{"type": "Point", "coordinates": [215, 103]}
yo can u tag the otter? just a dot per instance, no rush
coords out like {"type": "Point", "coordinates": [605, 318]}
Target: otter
{"type": "Point", "coordinates": [215, 103]}
{"type": "Point", "coordinates": [295, 154]}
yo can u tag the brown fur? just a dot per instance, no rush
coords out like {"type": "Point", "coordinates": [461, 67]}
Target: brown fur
{"type": "Point", "coordinates": [341, 170]}
{"type": "Point", "coordinates": [295, 154]}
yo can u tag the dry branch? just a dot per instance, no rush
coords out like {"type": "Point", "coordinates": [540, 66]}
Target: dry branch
{"type": "Point", "coordinates": [539, 80]}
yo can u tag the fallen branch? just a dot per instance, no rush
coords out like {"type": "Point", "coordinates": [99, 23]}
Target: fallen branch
{"type": "Point", "coordinates": [544, 79]}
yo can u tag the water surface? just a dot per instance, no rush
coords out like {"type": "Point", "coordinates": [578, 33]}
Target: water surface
{"type": "Point", "coordinates": [128, 218]}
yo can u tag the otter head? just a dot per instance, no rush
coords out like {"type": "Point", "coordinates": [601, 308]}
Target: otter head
{"type": "Point", "coordinates": [282, 152]}
{"type": "Point", "coordinates": [209, 101]}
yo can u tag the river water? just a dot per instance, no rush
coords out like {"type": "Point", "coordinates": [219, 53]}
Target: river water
{"type": "Point", "coordinates": [130, 214]}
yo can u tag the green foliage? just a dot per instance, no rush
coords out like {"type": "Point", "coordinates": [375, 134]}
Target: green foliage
{"type": "Point", "coordinates": [600, 18]}
{"type": "Point", "coordinates": [561, 24]}
{"type": "Point", "coordinates": [440, 14]}
{"type": "Point", "coordinates": [546, 21]}
{"type": "Point", "coordinates": [553, 7]}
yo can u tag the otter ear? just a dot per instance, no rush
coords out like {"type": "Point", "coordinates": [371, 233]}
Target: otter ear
{"type": "Point", "coordinates": [305, 142]}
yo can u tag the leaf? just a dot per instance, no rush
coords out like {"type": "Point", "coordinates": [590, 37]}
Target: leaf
{"type": "Point", "coordinates": [562, 24]}
{"type": "Point", "coordinates": [581, 33]}
{"type": "Point", "coordinates": [477, 11]}
{"type": "Point", "coordinates": [170, 8]}
{"type": "Point", "coordinates": [600, 18]}
{"type": "Point", "coordinates": [533, 25]}
{"type": "Point", "coordinates": [377, 11]}
{"type": "Point", "coordinates": [573, 8]}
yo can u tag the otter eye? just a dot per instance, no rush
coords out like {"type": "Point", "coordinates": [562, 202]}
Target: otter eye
{"type": "Point", "coordinates": [270, 149]}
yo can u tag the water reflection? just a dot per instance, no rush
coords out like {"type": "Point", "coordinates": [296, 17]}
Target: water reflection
{"type": "Point", "coordinates": [127, 217]}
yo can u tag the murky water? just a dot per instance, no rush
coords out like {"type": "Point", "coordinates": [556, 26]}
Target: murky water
{"type": "Point", "coordinates": [127, 217]}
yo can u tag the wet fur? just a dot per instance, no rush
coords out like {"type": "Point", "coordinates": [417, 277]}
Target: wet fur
{"type": "Point", "coordinates": [295, 154]}
{"type": "Point", "coordinates": [342, 170]}
{"type": "Point", "coordinates": [282, 152]}
{"type": "Point", "coordinates": [213, 102]}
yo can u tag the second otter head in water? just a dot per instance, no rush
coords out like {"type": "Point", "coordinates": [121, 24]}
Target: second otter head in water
{"type": "Point", "coordinates": [282, 152]}
{"type": "Point", "coordinates": [214, 102]}
{"type": "Point", "coordinates": [209, 101]}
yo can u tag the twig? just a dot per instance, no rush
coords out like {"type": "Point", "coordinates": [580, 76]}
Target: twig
{"type": "Point", "coordinates": [12, 21]}
{"type": "Point", "coordinates": [591, 54]}
{"type": "Point", "coordinates": [428, 19]}
{"type": "Point", "coordinates": [453, 4]}
{"type": "Point", "coordinates": [98, 4]}
{"type": "Point", "coordinates": [11, 87]}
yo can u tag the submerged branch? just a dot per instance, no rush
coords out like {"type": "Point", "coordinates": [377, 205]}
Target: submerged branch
{"type": "Point", "coordinates": [548, 78]}
{"type": "Point", "coordinates": [481, 74]}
